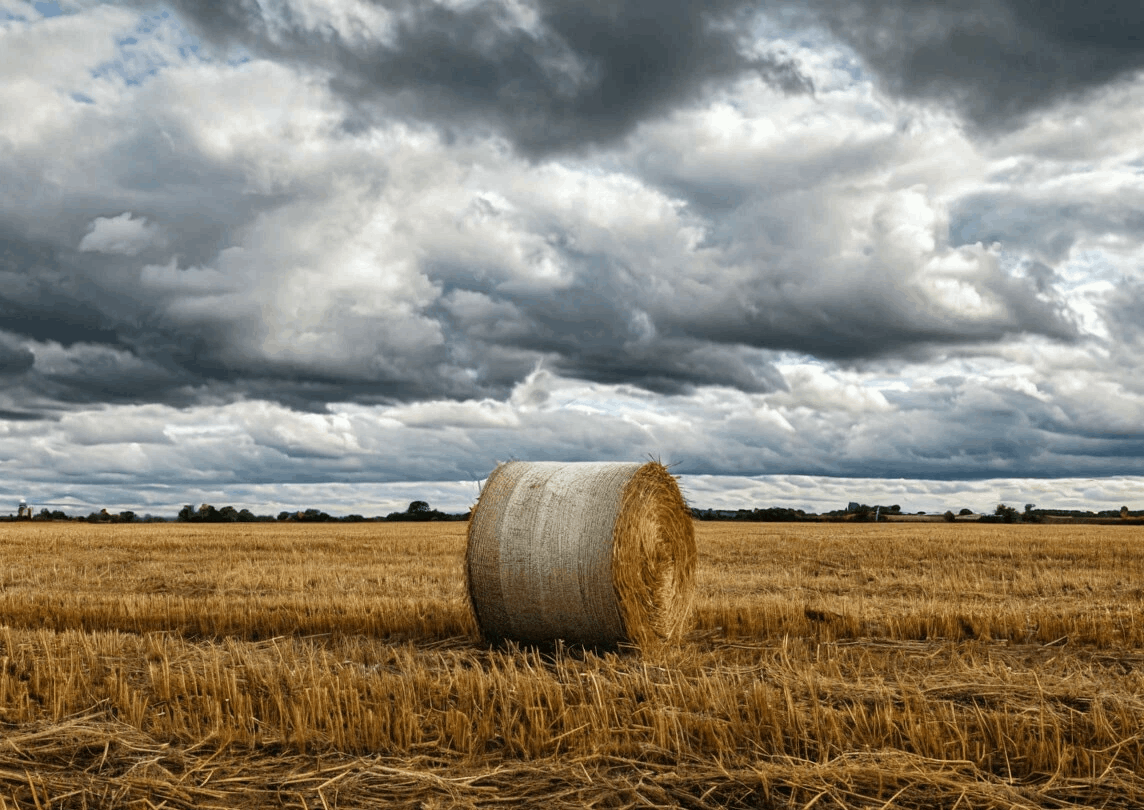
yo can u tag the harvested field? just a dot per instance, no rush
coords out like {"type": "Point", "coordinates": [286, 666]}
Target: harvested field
{"type": "Point", "coordinates": [286, 665]}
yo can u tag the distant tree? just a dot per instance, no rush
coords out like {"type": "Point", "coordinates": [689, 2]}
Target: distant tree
{"type": "Point", "coordinates": [1124, 513]}
{"type": "Point", "coordinates": [949, 516]}
{"type": "Point", "coordinates": [895, 509]}
{"type": "Point", "coordinates": [964, 512]}
{"type": "Point", "coordinates": [1008, 514]}
{"type": "Point", "coordinates": [419, 512]}
{"type": "Point", "coordinates": [283, 515]}
{"type": "Point", "coordinates": [228, 514]}
{"type": "Point", "coordinates": [127, 517]}
{"type": "Point", "coordinates": [312, 516]}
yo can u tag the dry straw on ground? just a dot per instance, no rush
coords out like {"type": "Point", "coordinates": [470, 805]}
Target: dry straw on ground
{"type": "Point", "coordinates": [590, 553]}
{"type": "Point", "coordinates": [829, 667]}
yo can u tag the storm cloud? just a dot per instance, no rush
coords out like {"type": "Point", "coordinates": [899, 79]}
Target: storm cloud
{"type": "Point", "coordinates": [550, 75]}
{"type": "Point", "coordinates": [995, 60]}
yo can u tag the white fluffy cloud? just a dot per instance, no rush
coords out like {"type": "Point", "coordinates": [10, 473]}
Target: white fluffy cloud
{"type": "Point", "coordinates": [122, 235]}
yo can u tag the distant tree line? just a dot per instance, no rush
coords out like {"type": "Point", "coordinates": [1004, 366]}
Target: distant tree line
{"type": "Point", "coordinates": [420, 511]}
{"type": "Point", "coordinates": [417, 511]}
{"type": "Point", "coordinates": [102, 516]}
{"type": "Point", "coordinates": [860, 512]}
{"type": "Point", "coordinates": [863, 512]}
{"type": "Point", "coordinates": [774, 514]}
{"type": "Point", "coordinates": [228, 514]}
{"type": "Point", "coordinates": [779, 514]}
{"type": "Point", "coordinates": [1009, 514]}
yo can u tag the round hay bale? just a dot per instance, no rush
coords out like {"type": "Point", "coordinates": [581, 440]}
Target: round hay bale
{"type": "Point", "coordinates": [591, 553]}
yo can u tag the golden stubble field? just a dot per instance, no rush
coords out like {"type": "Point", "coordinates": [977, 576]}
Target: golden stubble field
{"type": "Point", "coordinates": [286, 665]}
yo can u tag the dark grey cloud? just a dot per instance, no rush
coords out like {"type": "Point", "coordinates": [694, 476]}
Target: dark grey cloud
{"type": "Point", "coordinates": [877, 321]}
{"type": "Point", "coordinates": [1044, 225]}
{"type": "Point", "coordinates": [995, 60]}
{"type": "Point", "coordinates": [1124, 316]}
{"type": "Point", "coordinates": [568, 76]}
{"type": "Point", "coordinates": [676, 365]}
{"type": "Point", "coordinates": [14, 358]}
{"type": "Point", "coordinates": [40, 300]}
{"type": "Point", "coordinates": [596, 330]}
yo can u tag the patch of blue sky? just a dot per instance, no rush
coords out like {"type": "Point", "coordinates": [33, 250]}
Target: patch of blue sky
{"type": "Point", "coordinates": [787, 24]}
{"type": "Point", "coordinates": [31, 11]}
{"type": "Point", "coordinates": [886, 384]}
{"type": "Point", "coordinates": [786, 357]}
{"type": "Point", "coordinates": [1012, 262]}
{"type": "Point", "coordinates": [831, 65]}
{"type": "Point", "coordinates": [157, 41]}
{"type": "Point", "coordinates": [1085, 267]}
{"type": "Point", "coordinates": [847, 61]}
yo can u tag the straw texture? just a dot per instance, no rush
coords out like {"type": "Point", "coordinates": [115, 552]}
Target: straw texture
{"type": "Point", "coordinates": [591, 553]}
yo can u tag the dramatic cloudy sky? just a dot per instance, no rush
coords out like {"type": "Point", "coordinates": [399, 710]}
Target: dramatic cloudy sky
{"type": "Point", "coordinates": [345, 253]}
